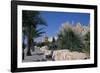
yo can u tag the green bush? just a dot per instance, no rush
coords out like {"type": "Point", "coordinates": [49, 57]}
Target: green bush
{"type": "Point", "coordinates": [87, 43]}
{"type": "Point", "coordinates": [67, 39]}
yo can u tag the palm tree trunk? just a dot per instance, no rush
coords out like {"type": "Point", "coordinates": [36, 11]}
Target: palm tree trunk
{"type": "Point", "coordinates": [29, 43]}
{"type": "Point", "coordinates": [32, 44]}
{"type": "Point", "coordinates": [23, 52]}
{"type": "Point", "coordinates": [28, 51]}
{"type": "Point", "coordinates": [23, 47]}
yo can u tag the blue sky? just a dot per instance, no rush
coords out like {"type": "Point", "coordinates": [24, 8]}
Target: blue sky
{"type": "Point", "coordinates": [55, 19]}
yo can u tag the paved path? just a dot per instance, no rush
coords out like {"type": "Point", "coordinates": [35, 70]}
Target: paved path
{"type": "Point", "coordinates": [37, 55]}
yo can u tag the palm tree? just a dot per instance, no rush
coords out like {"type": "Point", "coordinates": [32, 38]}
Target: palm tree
{"type": "Point", "coordinates": [35, 33]}
{"type": "Point", "coordinates": [31, 20]}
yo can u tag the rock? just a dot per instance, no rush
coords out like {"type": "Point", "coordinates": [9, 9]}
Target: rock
{"type": "Point", "coordinates": [45, 50]}
{"type": "Point", "coordinates": [67, 55]}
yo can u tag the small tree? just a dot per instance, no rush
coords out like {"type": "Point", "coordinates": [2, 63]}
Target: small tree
{"type": "Point", "coordinates": [54, 43]}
